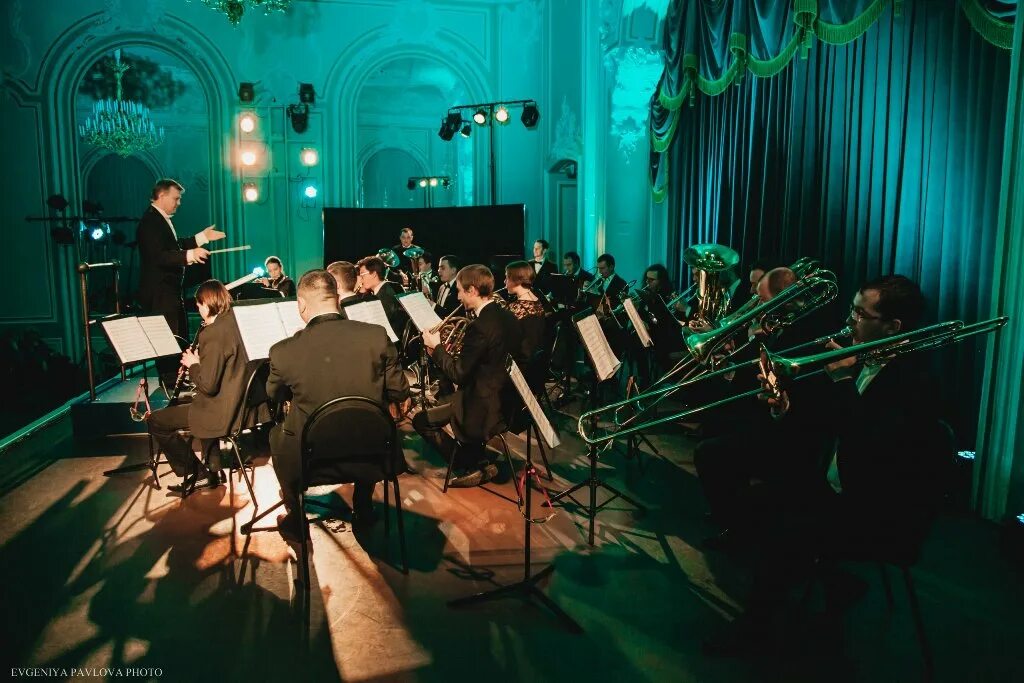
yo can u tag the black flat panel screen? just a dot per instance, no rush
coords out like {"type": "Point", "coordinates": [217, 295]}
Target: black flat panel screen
{"type": "Point", "coordinates": [474, 233]}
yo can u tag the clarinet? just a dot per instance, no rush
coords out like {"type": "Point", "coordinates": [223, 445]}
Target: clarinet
{"type": "Point", "coordinates": [183, 371]}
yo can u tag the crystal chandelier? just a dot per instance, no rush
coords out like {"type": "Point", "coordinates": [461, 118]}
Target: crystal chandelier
{"type": "Point", "coordinates": [122, 126]}
{"type": "Point", "coordinates": [234, 9]}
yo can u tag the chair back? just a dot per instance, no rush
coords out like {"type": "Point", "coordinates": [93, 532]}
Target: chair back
{"type": "Point", "coordinates": [253, 398]}
{"type": "Point", "coordinates": [352, 432]}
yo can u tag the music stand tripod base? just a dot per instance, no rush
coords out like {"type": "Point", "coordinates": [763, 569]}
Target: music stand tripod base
{"type": "Point", "coordinates": [527, 588]}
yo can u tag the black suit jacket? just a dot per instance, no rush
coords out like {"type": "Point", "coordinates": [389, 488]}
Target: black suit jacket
{"type": "Point", "coordinates": [450, 303]}
{"type": "Point", "coordinates": [540, 276]}
{"type": "Point", "coordinates": [615, 287]}
{"type": "Point", "coordinates": [220, 378]}
{"type": "Point", "coordinates": [388, 297]}
{"type": "Point", "coordinates": [162, 261]}
{"type": "Point", "coordinates": [485, 397]}
{"type": "Point", "coordinates": [328, 359]}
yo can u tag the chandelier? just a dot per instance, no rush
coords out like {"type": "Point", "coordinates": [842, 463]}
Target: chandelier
{"type": "Point", "coordinates": [234, 9]}
{"type": "Point", "coordinates": [122, 126]}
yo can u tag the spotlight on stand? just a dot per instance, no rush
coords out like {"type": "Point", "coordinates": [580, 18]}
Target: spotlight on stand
{"type": "Point", "coordinates": [531, 115]}
{"type": "Point", "coordinates": [466, 131]}
{"type": "Point", "coordinates": [411, 184]}
{"type": "Point", "coordinates": [433, 182]}
{"type": "Point", "coordinates": [309, 156]}
{"type": "Point", "coordinates": [246, 92]}
{"type": "Point", "coordinates": [247, 122]}
{"type": "Point", "coordinates": [310, 191]}
{"type": "Point", "coordinates": [57, 202]}
{"type": "Point", "coordinates": [423, 182]}
{"type": "Point", "coordinates": [250, 193]}
{"type": "Point", "coordinates": [449, 125]}
{"type": "Point", "coordinates": [501, 115]}
{"type": "Point", "coordinates": [97, 234]}
{"type": "Point", "coordinates": [90, 208]}
{"type": "Point", "coordinates": [307, 95]}
{"type": "Point", "coordinates": [480, 117]}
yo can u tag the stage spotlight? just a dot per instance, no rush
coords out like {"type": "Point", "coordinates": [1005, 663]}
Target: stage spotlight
{"type": "Point", "coordinates": [449, 125]}
{"type": "Point", "coordinates": [250, 192]}
{"type": "Point", "coordinates": [298, 114]}
{"type": "Point", "coordinates": [247, 123]}
{"type": "Point", "coordinates": [258, 271]}
{"type": "Point", "coordinates": [97, 233]}
{"type": "Point", "coordinates": [480, 116]}
{"type": "Point", "coordinates": [466, 131]}
{"type": "Point", "coordinates": [306, 93]}
{"type": "Point", "coordinates": [423, 182]}
{"type": "Point", "coordinates": [309, 156]}
{"type": "Point", "coordinates": [531, 115]}
{"type": "Point", "coordinates": [246, 92]}
{"type": "Point", "coordinates": [248, 158]}
{"type": "Point", "coordinates": [446, 182]}
{"type": "Point", "coordinates": [90, 208]}
{"type": "Point", "coordinates": [433, 182]}
{"type": "Point", "coordinates": [501, 115]}
{"type": "Point", "coordinates": [310, 191]}
{"type": "Point", "coordinates": [411, 184]}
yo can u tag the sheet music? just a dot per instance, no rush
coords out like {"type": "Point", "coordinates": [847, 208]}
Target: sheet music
{"type": "Point", "coordinates": [289, 314]}
{"type": "Point", "coordinates": [129, 340]}
{"type": "Point", "coordinates": [371, 312]}
{"type": "Point", "coordinates": [605, 362]}
{"type": "Point", "coordinates": [544, 426]}
{"type": "Point", "coordinates": [638, 323]}
{"type": "Point", "coordinates": [240, 281]}
{"type": "Point", "coordinates": [420, 311]}
{"type": "Point", "coordinates": [260, 327]}
{"type": "Point", "coordinates": [160, 335]}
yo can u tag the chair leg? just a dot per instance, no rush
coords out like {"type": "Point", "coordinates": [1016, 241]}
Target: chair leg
{"type": "Point", "coordinates": [886, 585]}
{"type": "Point", "coordinates": [451, 463]}
{"type": "Point", "coordinates": [401, 525]}
{"type": "Point", "coordinates": [387, 511]}
{"type": "Point", "coordinates": [915, 611]}
{"type": "Point", "coordinates": [304, 529]}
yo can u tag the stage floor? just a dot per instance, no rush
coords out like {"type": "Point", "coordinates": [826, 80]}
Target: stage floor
{"type": "Point", "coordinates": [111, 572]}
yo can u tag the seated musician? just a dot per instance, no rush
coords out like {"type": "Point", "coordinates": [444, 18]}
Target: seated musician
{"type": "Point", "coordinates": [426, 277]}
{"type": "Point", "coordinates": [347, 279]}
{"type": "Point", "coordinates": [218, 371]}
{"type": "Point", "coordinates": [878, 492]}
{"type": "Point", "coordinates": [611, 285]}
{"type": "Point", "coordinates": [484, 399]}
{"type": "Point", "coordinates": [371, 280]}
{"type": "Point", "coordinates": [447, 299]}
{"type": "Point", "coordinates": [664, 329]}
{"type": "Point", "coordinates": [571, 267]}
{"type": "Point", "coordinates": [528, 309]}
{"type": "Point", "coordinates": [330, 358]}
{"type": "Point", "coordinates": [276, 279]}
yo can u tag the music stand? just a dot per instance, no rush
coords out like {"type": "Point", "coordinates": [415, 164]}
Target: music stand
{"type": "Point", "coordinates": [594, 482]}
{"type": "Point", "coordinates": [527, 588]}
{"type": "Point", "coordinates": [634, 439]}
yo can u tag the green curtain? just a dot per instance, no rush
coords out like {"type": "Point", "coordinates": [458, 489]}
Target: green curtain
{"type": "Point", "coordinates": [878, 156]}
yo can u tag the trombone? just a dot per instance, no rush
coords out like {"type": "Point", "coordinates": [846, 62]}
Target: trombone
{"type": "Point", "coordinates": [789, 306]}
{"type": "Point", "coordinates": [796, 368]}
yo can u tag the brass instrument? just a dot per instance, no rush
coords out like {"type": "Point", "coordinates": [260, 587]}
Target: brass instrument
{"type": "Point", "coordinates": [389, 257]}
{"type": "Point", "coordinates": [708, 262]}
{"type": "Point", "coordinates": [708, 350]}
{"type": "Point", "coordinates": [794, 369]}
{"type": "Point", "coordinates": [413, 252]}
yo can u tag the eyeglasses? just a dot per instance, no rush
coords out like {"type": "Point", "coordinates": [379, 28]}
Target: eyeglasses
{"type": "Point", "coordinates": [857, 314]}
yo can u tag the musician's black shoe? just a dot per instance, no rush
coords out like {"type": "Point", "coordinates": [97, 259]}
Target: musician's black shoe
{"type": "Point", "coordinates": [290, 528]}
{"type": "Point", "coordinates": [209, 481]}
{"type": "Point", "coordinates": [489, 470]}
{"type": "Point", "coordinates": [471, 478]}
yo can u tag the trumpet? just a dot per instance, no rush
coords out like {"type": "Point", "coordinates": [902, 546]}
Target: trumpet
{"type": "Point", "coordinates": [795, 369]}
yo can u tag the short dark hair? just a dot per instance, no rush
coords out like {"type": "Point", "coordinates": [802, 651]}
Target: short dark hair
{"type": "Point", "coordinates": [764, 264]}
{"type": "Point", "coordinates": [427, 258]}
{"type": "Point", "coordinates": [405, 230]}
{"type": "Point", "coordinates": [373, 264]}
{"type": "Point", "coordinates": [543, 243]}
{"type": "Point", "coordinates": [478, 276]}
{"type": "Point", "coordinates": [319, 285]}
{"type": "Point", "coordinates": [214, 295]}
{"type": "Point", "coordinates": [344, 273]}
{"type": "Point", "coordinates": [899, 298]}
{"type": "Point", "coordinates": [520, 273]}
{"type": "Point", "coordinates": [453, 261]}
{"type": "Point", "coordinates": [607, 258]}
{"type": "Point", "coordinates": [164, 185]}
{"type": "Point", "coordinates": [573, 256]}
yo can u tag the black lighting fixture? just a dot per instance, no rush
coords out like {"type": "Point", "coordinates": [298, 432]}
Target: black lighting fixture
{"type": "Point", "coordinates": [298, 114]}
{"type": "Point", "coordinates": [57, 202]}
{"type": "Point", "coordinates": [466, 131]}
{"type": "Point", "coordinates": [450, 125]}
{"type": "Point", "coordinates": [307, 95]}
{"type": "Point", "coordinates": [246, 92]}
{"type": "Point", "coordinates": [531, 115]}
{"type": "Point", "coordinates": [480, 117]}
{"type": "Point", "coordinates": [90, 208]}
{"type": "Point", "coordinates": [428, 184]}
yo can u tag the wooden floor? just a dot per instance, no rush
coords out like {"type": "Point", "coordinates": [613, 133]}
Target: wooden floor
{"type": "Point", "coordinates": [112, 572]}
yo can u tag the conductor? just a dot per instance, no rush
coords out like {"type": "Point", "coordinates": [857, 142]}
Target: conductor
{"type": "Point", "coordinates": [163, 257]}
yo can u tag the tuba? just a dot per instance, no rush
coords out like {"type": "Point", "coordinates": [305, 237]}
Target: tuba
{"type": "Point", "coordinates": [709, 263]}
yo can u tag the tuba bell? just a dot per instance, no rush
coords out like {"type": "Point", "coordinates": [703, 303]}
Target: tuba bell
{"type": "Point", "coordinates": [709, 263]}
